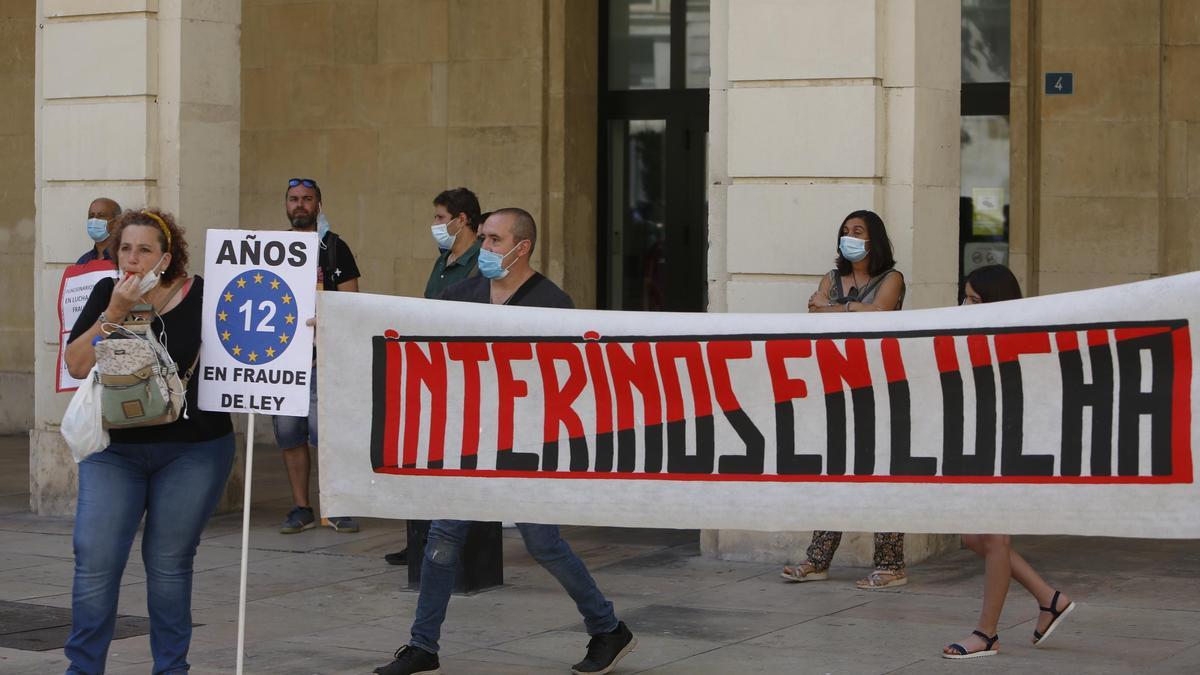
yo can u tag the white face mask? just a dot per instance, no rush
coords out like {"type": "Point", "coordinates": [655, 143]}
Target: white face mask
{"type": "Point", "coordinates": [150, 279]}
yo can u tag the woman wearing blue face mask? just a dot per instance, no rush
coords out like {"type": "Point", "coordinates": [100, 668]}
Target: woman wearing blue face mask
{"type": "Point", "coordinates": [995, 283]}
{"type": "Point", "coordinates": [864, 280]}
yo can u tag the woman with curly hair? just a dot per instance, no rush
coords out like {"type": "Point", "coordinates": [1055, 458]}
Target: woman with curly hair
{"type": "Point", "coordinates": [171, 474]}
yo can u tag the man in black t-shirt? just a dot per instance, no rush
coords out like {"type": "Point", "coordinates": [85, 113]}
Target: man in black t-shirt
{"type": "Point", "coordinates": [336, 271]}
{"type": "Point", "coordinates": [506, 278]}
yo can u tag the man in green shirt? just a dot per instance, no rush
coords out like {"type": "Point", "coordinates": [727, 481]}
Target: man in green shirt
{"type": "Point", "coordinates": [456, 220]}
{"type": "Point", "coordinates": [455, 223]}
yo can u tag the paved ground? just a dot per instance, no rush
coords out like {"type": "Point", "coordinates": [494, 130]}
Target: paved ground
{"type": "Point", "coordinates": [322, 602]}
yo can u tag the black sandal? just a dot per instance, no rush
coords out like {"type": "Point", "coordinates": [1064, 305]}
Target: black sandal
{"type": "Point", "coordinates": [962, 653]}
{"type": "Point", "coordinates": [1038, 638]}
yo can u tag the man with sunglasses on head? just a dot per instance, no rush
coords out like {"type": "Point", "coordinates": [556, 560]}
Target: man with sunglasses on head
{"type": "Point", "coordinates": [336, 271]}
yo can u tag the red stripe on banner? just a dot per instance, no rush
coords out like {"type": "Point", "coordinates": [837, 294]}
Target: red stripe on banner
{"type": "Point", "coordinates": [429, 371]}
{"type": "Point", "coordinates": [786, 388]}
{"type": "Point", "coordinates": [1135, 333]}
{"type": "Point", "coordinates": [1011, 345]}
{"type": "Point", "coordinates": [470, 354]}
{"type": "Point", "coordinates": [1181, 417]}
{"type": "Point", "coordinates": [629, 373]}
{"type": "Point", "coordinates": [559, 398]}
{"type": "Point", "coordinates": [600, 389]}
{"type": "Point", "coordinates": [719, 355]}
{"type": "Point", "coordinates": [837, 368]}
{"type": "Point", "coordinates": [509, 389]}
{"type": "Point", "coordinates": [977, 348]}
{"type": "Point", "coordinates": [791, 478]}
{"type": "Point", "coordinates": [392, 397]}
{"type": "Point", "coordinates": [1067, 342]}
{"type": "Point", "coordinates": [944, 351]}
{"type": "Point", "coordinates": [893, 363]}
{"type": "Point", "coordinates": [1097, 338]}
{"type": "Point", "coordinates": [669, 354]}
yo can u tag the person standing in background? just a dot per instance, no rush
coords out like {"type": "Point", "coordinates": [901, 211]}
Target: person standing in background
{"type": "Point", "coordinates": [336, 271]}
{"type": "Point", "coordinates": [864, 280]}
{"type": "Point", "coordinates": [101, 213]}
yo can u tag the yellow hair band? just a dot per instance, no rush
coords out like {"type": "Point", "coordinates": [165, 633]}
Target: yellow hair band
{"type": "Point", "coordinates": [161, 223]}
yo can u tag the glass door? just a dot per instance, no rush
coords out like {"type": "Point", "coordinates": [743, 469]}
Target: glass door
{"type": "Point", "coordinates": [983, 217]}
{"type": "Point", "coordinates": [654, 125]}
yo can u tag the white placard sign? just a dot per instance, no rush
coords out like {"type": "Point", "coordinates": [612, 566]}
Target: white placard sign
{"type": "Point", "coordinates": [259, 290]}
{"type": "Point", "coordinates": [73, 294]}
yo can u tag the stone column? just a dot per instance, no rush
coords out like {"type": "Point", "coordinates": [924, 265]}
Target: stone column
{"type": "Point", "coordinates": [18, 27]}
{"type": "Point", "coordinates": [138, 100]}
{"type": "Point", "coordinates": [818, 109]}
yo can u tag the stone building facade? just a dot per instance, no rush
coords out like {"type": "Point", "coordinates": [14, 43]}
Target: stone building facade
{"type": "Point", "coordinates": [814, 108]}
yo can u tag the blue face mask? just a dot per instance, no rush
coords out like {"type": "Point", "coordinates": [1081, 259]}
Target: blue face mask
{"type": "Point", "coordinates": [852, 248]}
{"type": "Point", "coordinates": [97, 229]}
{"type": "Point", "coordinates": [322, 226]}
{"type": "Point", "coordinates": [491, 264]}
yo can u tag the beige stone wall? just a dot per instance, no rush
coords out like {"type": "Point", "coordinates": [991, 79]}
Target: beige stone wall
{"type": "Point", "coordinates": [387, 103]}
{"type": "Point", "coordinates": [17, 26]}
{"type": "Point", "coordinates": [1106, 182]}
{"type": "Point", "coordinates": [1181, 160]}
{"type": "Point", "coordinates": [805, 131]}
{"type": "Point", "coordinates": [138, 100]}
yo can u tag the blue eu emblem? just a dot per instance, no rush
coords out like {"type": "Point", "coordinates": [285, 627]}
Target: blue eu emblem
{"type": "Point", "coordinates": [256, 317]}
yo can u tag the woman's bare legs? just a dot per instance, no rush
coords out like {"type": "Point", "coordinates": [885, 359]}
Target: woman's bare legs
{"type": "Point", "coordinates": [1002, 563]}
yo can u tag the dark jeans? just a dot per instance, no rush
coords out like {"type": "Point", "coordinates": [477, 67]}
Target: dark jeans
{"type": "Point", "coordinates": [176, 486]}
{"type": "Point", "coordinates": [443, 554]}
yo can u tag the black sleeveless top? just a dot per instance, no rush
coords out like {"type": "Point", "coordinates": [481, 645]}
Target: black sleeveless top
{"type": "Point", "coordinates": [182, 328]}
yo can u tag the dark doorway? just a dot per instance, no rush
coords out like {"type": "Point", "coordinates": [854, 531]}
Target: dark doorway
{"type": "Point", "coordinates": [653, 211]}
{"type": "Point", "coordinates": [983, 218]}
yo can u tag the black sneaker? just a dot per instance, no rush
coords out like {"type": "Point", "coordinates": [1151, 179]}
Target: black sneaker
{"type": "Point", "coordinates": [410, 659]}
{"type": "Point", "coordinates": [397, 558]}
{"type": "Point", "coordinates": [299, 519]}
{"type": "Point", "coordinates": [605, 650]}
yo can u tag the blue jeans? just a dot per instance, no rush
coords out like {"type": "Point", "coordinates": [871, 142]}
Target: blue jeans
{"type": "Point", "coordinates": [176, 486]}
{"type": "Point", "coordinates": [293, 432]}
{"type": "Point", "coordinates": [442, 557]}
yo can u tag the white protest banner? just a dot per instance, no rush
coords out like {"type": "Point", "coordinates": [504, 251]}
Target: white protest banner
{"type": "Point", "coordinates": [259, 289]}
{"type": "Point", "coordinates": [73, 292]}
{"type": "Point", "coordinates": [1070, 413]}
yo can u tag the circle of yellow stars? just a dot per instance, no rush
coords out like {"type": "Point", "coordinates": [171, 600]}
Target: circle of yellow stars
{"type": "Point", "coordinates": [226, 309]}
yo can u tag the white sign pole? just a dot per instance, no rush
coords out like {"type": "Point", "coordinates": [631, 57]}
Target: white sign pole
{"type": "Point", "coordinates": [241, 643]}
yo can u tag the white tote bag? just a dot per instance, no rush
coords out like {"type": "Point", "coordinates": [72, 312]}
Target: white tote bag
{"type": "Point", "coordinates": [82, 425]}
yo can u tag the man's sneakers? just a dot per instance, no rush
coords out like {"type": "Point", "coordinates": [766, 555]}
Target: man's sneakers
{"type": "Point", "coordinates": [299, 519]}
{"type": "Point", "coordinates": [603, 651]}
{"type": "Point", "coordinates": [344, 524]}
{"type": "Point", "coordinates": [397, 558]}
{"type": "Point", "coordinates": [409, 660]}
